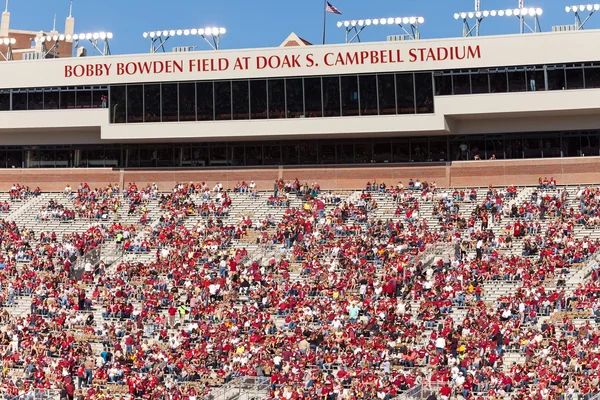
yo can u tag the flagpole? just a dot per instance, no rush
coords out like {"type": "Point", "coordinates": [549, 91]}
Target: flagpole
{"type": "Point", "coordinates": [324, 19]}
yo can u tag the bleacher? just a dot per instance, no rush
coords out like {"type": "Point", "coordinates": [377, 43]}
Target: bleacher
{"type": "Point", "coordinates": [217, 312]}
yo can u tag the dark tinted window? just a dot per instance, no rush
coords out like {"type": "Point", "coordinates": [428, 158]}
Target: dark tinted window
{"type": "Point", "coordinates": [240, 99]}
{"type": "Point", "coordinates": [443, 85]}
{"type": "Point", "coordinates": [100, 98]}
{"type": "Point", "coordinates": [574, 78]}
{"type": "Point", "coordinates": [170, 111]}
{"type": "Point", "coordinates": [498, 82]}
{"type": "Point", "coordinates": [83, 98]}
{"type": "Point", "coordinates": [556, 78]}
{"type": "Point", "coordinates": [135, 103]}
{"type": "Point", "coordinates": [424, 91]}
{"type": "Point", "coordinates": [349, 85]}
{"type": "Point", "coordinates": [592, 78]}
{"type": "Point", "coordinates": [4, 100]}
{"type": "Point", "coordinates": [480, 82]}
{"type": "Point", "coordinates": [117, 104]}
{"type": "Point", "coordinates": [204, 101]}
{"type": "Point", "coordinates": [331, 96]}
{"type": "Point", "coordinates": [294, 96]}
{"type": "Point", "coordinates": [67, 99]}
{"type": "Point", "coordinates": [51, 99]}
{"type": "Point", "coordinates": [276, 90]}
{"type": "Point", "coordinates": [151, 103]}
{"type": "Point", "coordinates": [312, 95]}
{"type": "Point", "coordinates": [461, 83]}
{"type": "Point", "coordinates": [223, 100]}
{"type": "Point", "coordinates": [368, 94]}
{"type": "Point", "coordinates": [35, 99]}
{"type": "Point", "coordinates": [258, 99]}
{"type": "Point", "coordinates": [387, 94]}
{"type": "Point", "coordinates": [187, 101]}
{"type": "Point", "coordinates": [405, 91]}
{"type": "Point", "coordinates": [516, 81]}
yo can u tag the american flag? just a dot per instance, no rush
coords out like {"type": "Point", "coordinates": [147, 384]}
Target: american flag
{"type": "Point", "coordinates": [331, 8]}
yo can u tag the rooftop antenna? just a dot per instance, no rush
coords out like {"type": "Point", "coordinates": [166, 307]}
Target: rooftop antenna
{"type": "Point", "coordinates": [70, 9]}
{"type": "Point", "coordinates": [54, 25]}
{"type": "Point", "coordinates": [6, 9]}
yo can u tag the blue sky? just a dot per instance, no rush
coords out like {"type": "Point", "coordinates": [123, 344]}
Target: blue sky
{"type": "Point", "coordinates": [264, 23]}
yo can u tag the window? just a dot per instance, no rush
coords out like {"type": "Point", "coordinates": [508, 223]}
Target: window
{"type": "Point", "coordinates": [205, 101]}
{"type": "Point", "coordinates": [51, 99]}
{"type": "Point", "coordinates": [400, 150]}
{"type": "Point", "coordinates": [151, 103]}
{"type": "Point", "coordinates": [254, 154]}
{"type": "Point", "coordinates": [535, 79]}
{"type": "Point", "coordinates": [19, 99]}
{"type": "Point", "coordinates": [135, 103]}
{"type": "Point", "coordinates": [438, 149]}
{"type": "Point", "coordinates": [4, 100]}
{"type": "Point", "coordinates": [419, 149]}
{"type": "Point", "coordinates": [258, 99]}
{"type": "Point", "coordinates": [443, 84]}
{"type": "Point", "coordinates": [327, 153]}
{"type": "Point", "coordinates": [117, 104]}
{"type": "Point", "coordinates": [169, 102]}
{"type": "Point", "coordinates": [99, 98]}
{"type": "Point", "coordinates": [461, 83]}
{"type": "Point", "coordinates": [290, 154]}
{"type": "Point", "coordinates": [349, 85]}
{"type": "Point", "coordinates": [368, 94]}
{"type": "Point", "coordinates": [35, 99]}
{"type": "Point", "coordinates": [308, 153]}
{"type": "Point", "coordinates": [424, 92]}
{"type": "Point", "coordinates": [498, 82]}
{"type": "Point", "coordinates": [516, 80]}
{"type": "Point", "coordinates": [240, 99]}
{"type": "Point", "coordinates": [363, 152]}
{"type": "Point", "coordinates": [574, 78]}
{"type": "Point", "coordinates": [331, 96]}
{"type": "Point", "coordinates": [222, 100]}
{"type": "Point", "coordinates": [556, 78]}
{"type": "Point", "coordinates": [83, 98]}
{"type": "Point", "coordinates": [480, 81]}
{"type": "Point", "coordinates": [382, 151]}
{"type": "Point", "coordinates": [294, 97]}
{"type": "Point", "coordinates": [345, 153]}
{"type": "Point", "coordinates": [187, 101]}
{"type": "Point", "coordinates": [405, 91]}
{"type": "Point", "coordinates": [272, 154]}
{"type": "Point", "coordinates": [387, 94]}
{"type": "Point", "coordinates": [592, 78]}
{"type": "Point", "coordinates": [313, 97]}
{"type": "Point", "coordinates": [276, 91]}
{"type": "Point", "coordinates": [532, 146]}
{"type": "Point", "coordinates": [67, 99]}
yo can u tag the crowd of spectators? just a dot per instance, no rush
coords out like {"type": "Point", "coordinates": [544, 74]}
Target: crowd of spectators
{"type": "Point", "coordinates": [341, 300]}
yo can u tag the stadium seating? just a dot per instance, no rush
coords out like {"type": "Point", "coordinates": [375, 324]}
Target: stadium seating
{"type": "Point", "coordinates": [378, 293]}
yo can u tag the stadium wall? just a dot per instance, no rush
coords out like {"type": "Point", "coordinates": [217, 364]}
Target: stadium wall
{"type": "Point", "coordinates": [584, 170]}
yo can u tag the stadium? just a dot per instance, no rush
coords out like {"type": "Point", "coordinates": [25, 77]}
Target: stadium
{"type": "Point", "coordinates": [403, 219]}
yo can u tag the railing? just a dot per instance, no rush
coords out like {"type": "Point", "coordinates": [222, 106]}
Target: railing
{"type": "Point", "coordinates": [242, 388]}
{"type": "Point", "coordinates": [421, 391]}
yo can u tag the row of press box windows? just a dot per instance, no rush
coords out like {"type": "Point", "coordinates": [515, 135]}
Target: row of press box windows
{"type": "Point", "coordinates": [314, 97]}
{"type": "Point", "coordinates": [53, 98]}
{"type": "Point", "coordinates": [397, 150]}
{"type": "Point", "coordinates": [518, 79]}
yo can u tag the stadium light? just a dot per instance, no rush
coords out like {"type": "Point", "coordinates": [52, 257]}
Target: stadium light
{"type": "Point", "coordinates": [8, 42]}
{"type": "Point", "coordinates": [212, 36]}
{"type": "Point", "coordinates": [576, 10]}
{"type": "Point", "coordinates": [410, 26]}
{"type": "Point", "coordinates": [479, 15]}
{"type": "Point", "coordinates": [98, 40]}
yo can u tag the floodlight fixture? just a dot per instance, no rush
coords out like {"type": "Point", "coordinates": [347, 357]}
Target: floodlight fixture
{"type": "Point", "coordinates": [410, 26]}
{"type": "Point", "coordinates": [212, 35]}
{"type": "Point", "coordinates": [472, 28]}
{"type": "Point", "coordinates": [581, 20]}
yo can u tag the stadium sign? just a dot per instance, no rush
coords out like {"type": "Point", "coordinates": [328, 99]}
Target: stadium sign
{"type": "Point", "coordinates": [295, 62]}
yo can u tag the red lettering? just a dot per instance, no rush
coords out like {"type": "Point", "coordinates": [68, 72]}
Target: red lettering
{"type": "Point", "coordinates": [474, 52]}
{"type": "Point", "coordinates": [68, 71]}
